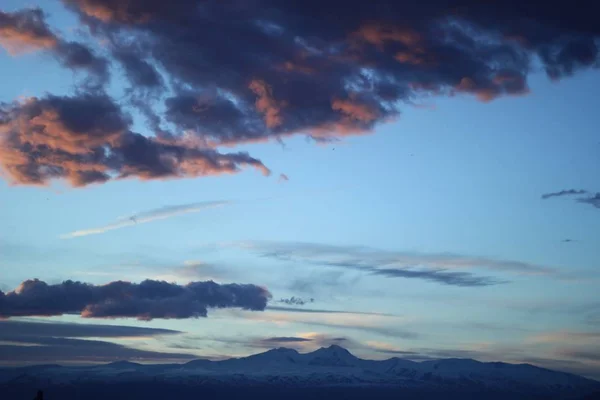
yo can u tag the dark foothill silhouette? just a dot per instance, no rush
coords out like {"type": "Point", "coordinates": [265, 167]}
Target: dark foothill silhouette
{"type": "Point", "coordinates": [39, 395]}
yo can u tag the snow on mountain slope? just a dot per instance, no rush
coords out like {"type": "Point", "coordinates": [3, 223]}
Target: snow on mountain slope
{"type": "Point", "coordinates": [333, 366]}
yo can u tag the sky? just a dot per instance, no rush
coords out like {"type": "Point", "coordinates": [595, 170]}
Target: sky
{"type": "Point", "coordinates": [402, 180]}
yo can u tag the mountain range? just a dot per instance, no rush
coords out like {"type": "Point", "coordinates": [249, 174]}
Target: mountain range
{"type": "Point", "coordinates": [326, 369]}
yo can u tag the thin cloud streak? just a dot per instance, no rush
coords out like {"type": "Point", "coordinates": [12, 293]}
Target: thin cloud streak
{"type": "Point", "coordinates": [147, 216]}
{"type": "Point", "coordinates": [325, 311]}
{"type": "Point", "coordinates": [441, 268]}
{"type": "Point", "coordinates": [569, 192]}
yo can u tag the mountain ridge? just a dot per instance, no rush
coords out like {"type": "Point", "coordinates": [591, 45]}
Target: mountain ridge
{"type": "Point", "coordinates": [332, 366]}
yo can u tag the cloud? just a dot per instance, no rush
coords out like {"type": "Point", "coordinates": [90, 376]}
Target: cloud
{"type": "Point", "coordinates": [86, 139]}
{"type": "Point", "coordinates": [283, 178]}
{"type": "Point", "coordinates": [27, 30]}
{"type": "Point", "coordinates": [371, 323]}
{"type": "Point", "coordinates": [270, 74]}
{"type": "Point", "coordinates": [144, 301]}
{"type": "Point", "coordinates": [283, 339]}
{"type": "Point", "coordinates": [440, 268]}
{"type": "Point", "coordinates": [38, 350]}
{"type": "Point", "coordinates": [147, 216]}
{"type": "Point", "coordinates": [591, 355]}
{"type": "Point", "coordinates": [27, 342]}
{"type": "Point", "coordinates": [569, 192]}
{"type": "Point", "coordinates": [296, 301]}
{"type": "Point", "coordinates": [12, 328]}
{"type": "Point", "coordinates": [594, 200]}
{"type": "Point", "coordinates": [324, 311]}
{"type": "Point", "coordinates": [570, 337]}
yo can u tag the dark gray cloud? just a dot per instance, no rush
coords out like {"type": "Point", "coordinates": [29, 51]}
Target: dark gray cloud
{"type": "Point", "coordinates": [12, 328]}
{"type": "Point", "coordinates": [587, 354]}
{"type": "Point", "coordinates": [464, 279]}
{"type": "Point", "coordinates": [240, 71]}
{"type": "Point", "coordinates": [569, 192]}
{"type": "Point", "coordinates": [144, 301]}
{"type": "Point", "coordinates": [594, 200]}
{"type": "Point", "coordinates": [26, 342]}
{"type": "Point", "coordinates": [86, 139]}
{"type": "Point", "coordinates": [64, 351]}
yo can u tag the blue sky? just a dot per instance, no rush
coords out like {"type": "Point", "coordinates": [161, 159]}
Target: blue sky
{"type": "Point", "coordinates": [454, 187]}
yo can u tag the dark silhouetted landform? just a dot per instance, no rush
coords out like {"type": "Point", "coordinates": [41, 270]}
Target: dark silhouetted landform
{"type": "Point", "coordinates": [285, 373]}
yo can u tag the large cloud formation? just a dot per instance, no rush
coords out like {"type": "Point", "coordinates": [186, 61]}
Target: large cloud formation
{"type": "Point", "coordinates": [145, 301]}
{"type": "Point", "coordinates": [86, 139]}
{"type": "Point", "coordinates": [229, 72]}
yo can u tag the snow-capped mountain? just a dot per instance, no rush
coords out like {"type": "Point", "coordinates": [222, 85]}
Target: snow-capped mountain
{"type": "Point", "coordinates": [326, 367]}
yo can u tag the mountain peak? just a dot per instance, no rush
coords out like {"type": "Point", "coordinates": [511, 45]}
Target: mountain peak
{"type": "Point", "coordinates": [333, 355]}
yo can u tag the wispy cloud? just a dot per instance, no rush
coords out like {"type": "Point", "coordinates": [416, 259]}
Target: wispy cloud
{"type": "Point", "coordinates": [569, 192]}
{"type": "Point", "coordinates": [295, 301]}
{"type": "Point", "coordinates": [324, 311]}
{"type": "Point", "coordinates": [444, 268]}
{"type": "Point", "coordinates": [283, 178]}
{"type": "Point", "coordinates": [147, 216]}
{"type": "Point", "coordinates": [592, 199]}
{"type": "Point", "coordinates": [372, 323]}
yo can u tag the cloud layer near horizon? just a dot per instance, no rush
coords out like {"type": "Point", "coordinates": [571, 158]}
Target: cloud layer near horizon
{"type": "Point", "coordinates": [276, 69]}
{"type": "Point", "coordinates": [24, 342]}
{"type": "Point", "coordinates": [144, 301]}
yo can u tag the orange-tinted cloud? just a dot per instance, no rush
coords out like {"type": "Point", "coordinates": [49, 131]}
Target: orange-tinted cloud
{"type": "Point", "coordinates": [355, 110]}
{"type": "Point", "coordinates": [266, 103]}
{"type": "Point", "coordinates": [378, 35]}
{"type": "Point", "coordinates": [86, 139]}
{"type": "Point", "coordinates": [25, 31]}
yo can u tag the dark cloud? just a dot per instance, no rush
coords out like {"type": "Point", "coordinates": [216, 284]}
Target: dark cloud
{"type": "Point", "coordinates": [11, 328]}
{"type": "Point", "coordinates": [569, 192]}
{"type": "Point", "coordinates": [594, 200]}
{"type": "Point", "coordinates": [464, 279]}
{"type": "Point", "coordinates": [273, 73]}
{"type": "Point", "coordinates": [31, 349]}
{"type": "Point", "coordinates": [591, 355]}
{"type": "Point", "coordinates": [27, 30]}
{"type": "Point", "coordinates": [139, 72]}
{"type": "Point", "coordinates": [240, 71]}
{"type": "Point", "coordinates": [144, 301]}
{"type": "Point", "coordinates": [25, 342]}
{"type": "Point", "coordinates": [77, 56]}
{"type": "Point", "coordinates": [86, 139]}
